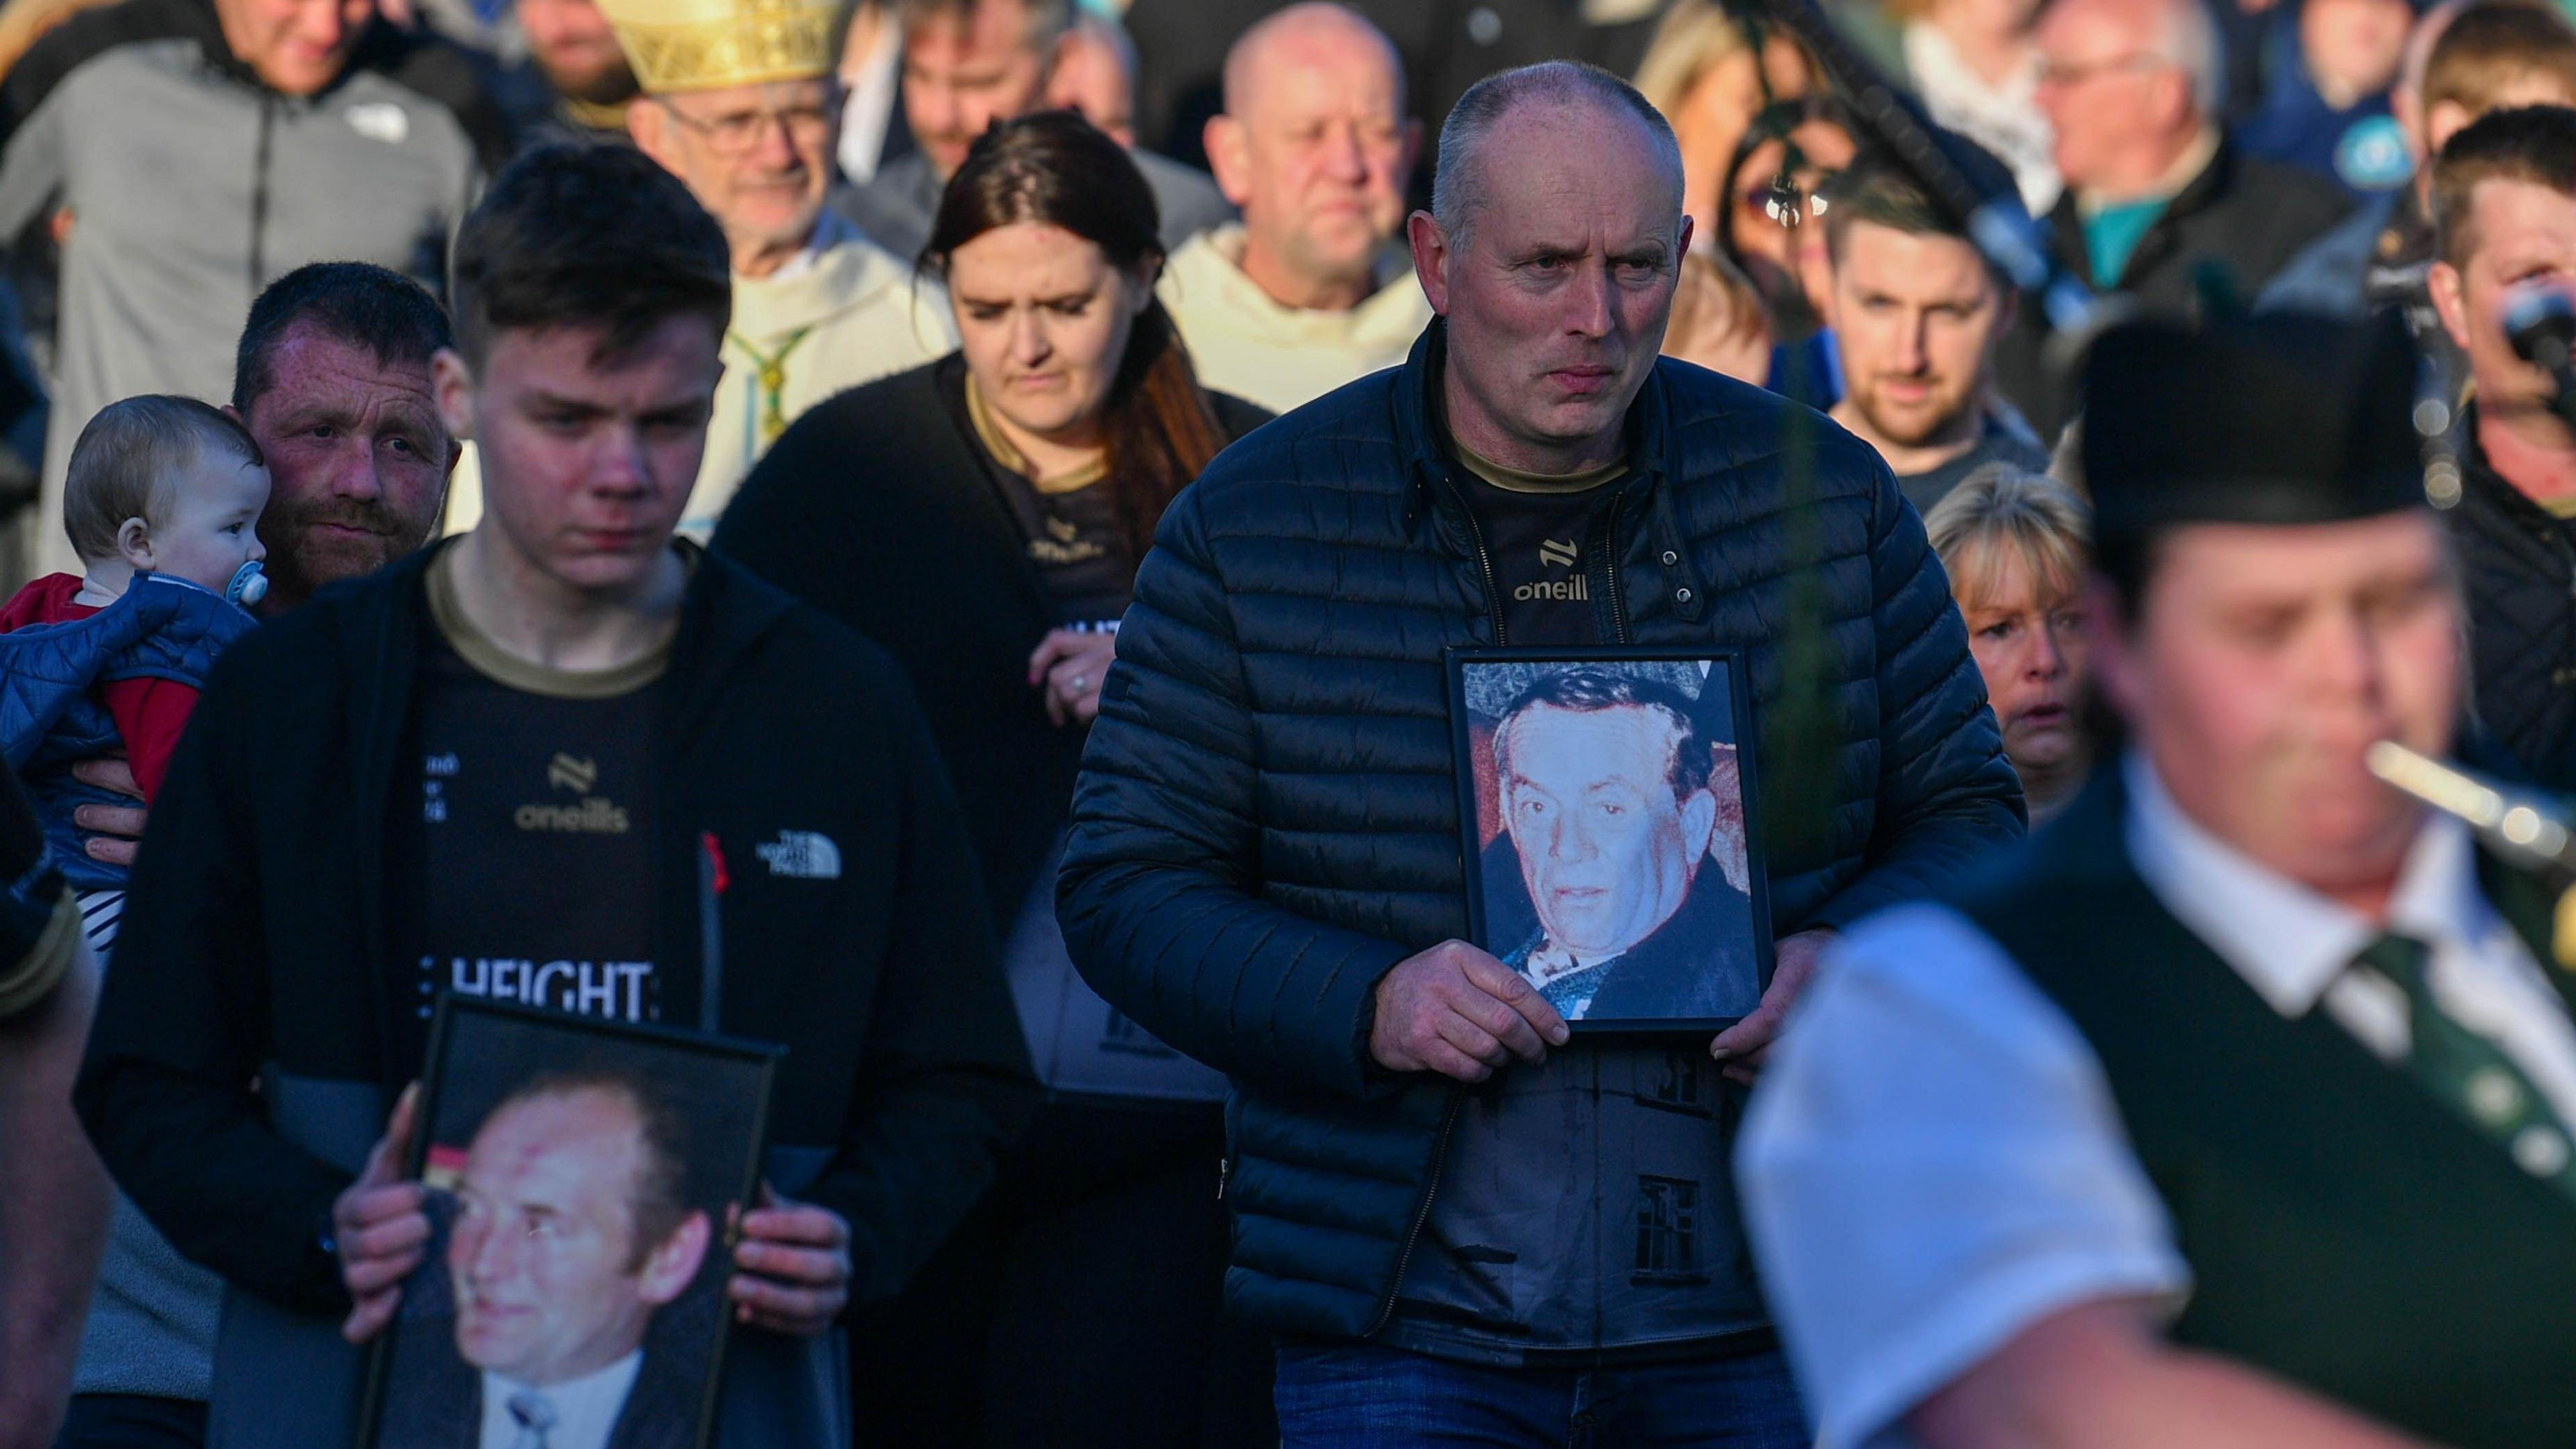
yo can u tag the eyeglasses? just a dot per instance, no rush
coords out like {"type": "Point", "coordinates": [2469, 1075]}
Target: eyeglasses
{"type": "Point", "coordinates": [736, 132]}
{"type": "Point", "coordinates": [2071, 75]}
{"type": "Point", "coordinates": [1787, 199]}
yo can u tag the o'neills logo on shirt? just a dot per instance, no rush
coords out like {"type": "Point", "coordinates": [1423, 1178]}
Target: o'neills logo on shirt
{"type": "Point", "coordinates": [1571, 590]}
{"type": "Point", "coordinates": [592, 816]}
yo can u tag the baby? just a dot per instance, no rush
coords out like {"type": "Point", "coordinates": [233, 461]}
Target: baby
{"type": "Point", "coordinates": [162, 501]}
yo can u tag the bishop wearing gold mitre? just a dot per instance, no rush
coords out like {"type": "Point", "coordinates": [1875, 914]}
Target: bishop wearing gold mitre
{"type": "Point", "coordinates": [741, 103]}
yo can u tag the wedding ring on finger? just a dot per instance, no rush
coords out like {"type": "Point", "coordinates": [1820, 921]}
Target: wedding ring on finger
{"type": "Point", "coordinates": [1081, 682]}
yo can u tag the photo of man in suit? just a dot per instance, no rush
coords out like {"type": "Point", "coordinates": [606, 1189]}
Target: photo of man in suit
{"type": "Point", "coordinates": [1603, 779]}
{"type": "Point", "coordinates": [568, 1228]}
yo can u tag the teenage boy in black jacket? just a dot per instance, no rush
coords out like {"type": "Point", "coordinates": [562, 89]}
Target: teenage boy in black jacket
{"type": "Point", "coordinates": [562, 738]}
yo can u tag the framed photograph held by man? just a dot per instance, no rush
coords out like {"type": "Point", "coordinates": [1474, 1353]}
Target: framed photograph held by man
{"type": "Point", "coordinates": [583, 1179]}
{"type": "Point", "coordinates": [1606, 798]}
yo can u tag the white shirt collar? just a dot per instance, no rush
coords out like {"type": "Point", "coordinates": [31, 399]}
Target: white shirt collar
{"type": "Point", "coordinates": [830, 230]}
{"type": "Point", "coordinates": [586, 1408]}
{"type": "Point", "coordinates": [2287, 941]}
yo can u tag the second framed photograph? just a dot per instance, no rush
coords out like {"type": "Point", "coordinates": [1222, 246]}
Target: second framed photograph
{"type": "Point", "coordinates": [581, 1180]}
{"type": "Point", "coordinates": [1613, 858]}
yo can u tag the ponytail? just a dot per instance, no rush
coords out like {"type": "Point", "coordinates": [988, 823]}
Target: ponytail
{"type": "Point", "coordinates": [1161, 429]}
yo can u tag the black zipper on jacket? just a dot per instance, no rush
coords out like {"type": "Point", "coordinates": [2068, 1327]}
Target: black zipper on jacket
{"type": "Point", "coordinates": [1605, 547]}
{"type": "Point", "coordinates": [1484, 559]}
{"type": "Point", "coordinates": [1457, 1092]}
{"type": "Point", "coordinates": [259, 191]}
{"type": "Point", "coordinates": [1421, 1214]}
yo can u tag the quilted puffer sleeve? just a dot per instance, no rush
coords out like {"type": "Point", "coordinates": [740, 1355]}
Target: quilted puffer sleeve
{"type": "Point", "coordinates": [1946, 794]}
{"type": "Point", "coordinates": [1158, 896]}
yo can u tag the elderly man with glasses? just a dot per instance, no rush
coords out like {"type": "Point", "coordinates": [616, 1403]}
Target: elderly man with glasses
{"type": "Point", "coordinates": [741, 104]}
{"type": "Point", "coordinates": [2154, 192]}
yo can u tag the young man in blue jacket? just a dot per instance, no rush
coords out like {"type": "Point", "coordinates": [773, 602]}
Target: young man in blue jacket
{"type": "Point", "coordinates": [562, 739]}
{"type": "Point", "coordinates": [1463, 1225]}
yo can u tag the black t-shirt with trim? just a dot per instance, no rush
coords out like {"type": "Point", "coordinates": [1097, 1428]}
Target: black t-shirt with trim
{"type": "Point", "coordinates": [1536, 529]}
{"type": "Point", "coordinates": [524, 853]}
{"type": "Point", "coordinates": [1069, 527]}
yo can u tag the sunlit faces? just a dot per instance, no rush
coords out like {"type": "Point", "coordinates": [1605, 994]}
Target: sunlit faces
{"type": "Point", "coordinates": [1043, 319]}
{"type": "Point", "coordinates": [2518, 232]}
{"type": "Point", "coordinates": [1091, 76]}
{"type": "Point", "coordinates": [587, 458]}
{"type": "Point", "coordinates": [1607, 850]}
{"type": "Point", "coordinates": [296, 46]}
{"type": "Point", "coordinates": [357, 457]}
{"type": "Point", "coordinates": [1557, 297]}
{"type": "Point", "coordinates": [207, 523]}
{"type": "Point", "coordinates": [1320, 155]}
{"type": "Point", "coordinates": [2027, 634]}
{"type": "Point", "coordinates": [2104, 88]}
{"type": "Point", "coordinates": [2353, 47]}
{"type": "Point", "coordinates": [963, 73]}
{"type": "Point", "coordinates": [550, 1281]}
{"type": "Point", "coordinates": [572, 44]}
{"type": "Point", "coordinates": [1915, 318]}
{"type": "Point", "coordinates": [757, 157]}
{"type": "Point", "coordinates": [2264, 663]}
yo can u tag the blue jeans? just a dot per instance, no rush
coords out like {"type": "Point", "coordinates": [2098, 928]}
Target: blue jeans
{"type": "Point", "coordinates": [1357, 1396]}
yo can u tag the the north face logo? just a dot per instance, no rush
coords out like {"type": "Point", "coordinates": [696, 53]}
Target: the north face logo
{"type": "Point", "coordinates": [802, 855]}
{"type": "Point", "coordinates": [379, 121]}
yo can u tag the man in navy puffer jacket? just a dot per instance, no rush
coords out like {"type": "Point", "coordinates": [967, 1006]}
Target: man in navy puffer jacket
{"type": "Point", "coordinates": [1265, 866]}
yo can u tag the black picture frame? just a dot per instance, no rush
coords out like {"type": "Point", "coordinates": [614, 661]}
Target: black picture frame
{"type": "Point", "coordinates": [481, 1052]}
{"type": "Point", "coordinates": [1500, 904]}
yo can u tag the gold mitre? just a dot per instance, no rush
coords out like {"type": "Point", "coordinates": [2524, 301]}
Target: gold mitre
{"type": "Point", "coordinates": [699, 45]}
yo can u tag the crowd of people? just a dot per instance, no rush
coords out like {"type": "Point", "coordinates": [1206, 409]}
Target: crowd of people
{"type": "Point", "coordinates": [963, 517]}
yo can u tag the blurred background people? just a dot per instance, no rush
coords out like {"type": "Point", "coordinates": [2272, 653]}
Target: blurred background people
{"type": "Point", "coordinates": [2157, 204]}
{"type": "Point", "coordinates": [1772, 230]}
{"type": "Point", "coordinates": [1718, 320]}
{"type": "Point", "coordinates": [1310, 290]}
{"type": "Point", "coordinates": [1975, 66]}
{"type": "Point", "coordinates": [967, 64]}
{"type": "Point", "coordinates": [1095, 74]}
{"type": "Point", "coordinates": [1916, 311]}
{"type": "Point", "coordinates": [743, 114]}
{"type": "Point", "coordinates": [2330, 67]}
{"type": "Point", "coordinates": [1701, 72]}
{"type": "Point", "coordinates": [1447, 45]}
{"type": "Point", "coordinates": [2464, 60]}
{"type": "Point", "coordinates": [871, 71]}
{"type": "Point", "coordinates": [179, 189]}
{"type": "Point", "coordinates": [2504, 213]}
{"type": "Point", "coordinates": [1024, 475]}
{"type": "Point", "coordinates": [2016, 545]}
{"type": "Point", "coordinates": [588, 83]}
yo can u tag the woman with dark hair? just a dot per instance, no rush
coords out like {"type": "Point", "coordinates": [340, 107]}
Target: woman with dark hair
{"type": "Point", "coordinates": [982, 519]}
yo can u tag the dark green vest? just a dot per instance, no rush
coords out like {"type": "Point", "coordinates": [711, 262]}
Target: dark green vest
{"type": "Point", "coordinates": [2345, 1231]}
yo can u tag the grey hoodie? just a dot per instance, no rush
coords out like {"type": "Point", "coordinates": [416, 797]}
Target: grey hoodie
{"type": "Point", "coordinates": [191, 186]}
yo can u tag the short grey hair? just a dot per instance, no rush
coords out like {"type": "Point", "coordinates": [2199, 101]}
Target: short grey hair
{"type": "Point", "coordinates": [1457, 188]}
{"type": "Point", "coordinates": [2189, 38]}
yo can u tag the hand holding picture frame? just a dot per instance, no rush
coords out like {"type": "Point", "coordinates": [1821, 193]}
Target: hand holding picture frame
{"type": "Point", "coordinates": [1607, 801]}
{"type": "Point", "coordinates": [583, 1179]}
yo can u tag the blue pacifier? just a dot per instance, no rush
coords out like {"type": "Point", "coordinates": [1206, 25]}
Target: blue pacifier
{"type": "Point", "coordinates": [249, 585]}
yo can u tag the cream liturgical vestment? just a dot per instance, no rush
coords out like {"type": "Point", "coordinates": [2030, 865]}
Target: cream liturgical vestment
{"type": "Point", "coordinates": [842, 312]}
{"type": "Point", "coordinates": [1242, 342]}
